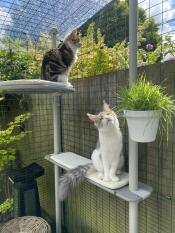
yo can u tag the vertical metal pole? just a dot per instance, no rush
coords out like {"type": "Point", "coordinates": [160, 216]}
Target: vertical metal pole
{"type": "Point", "coordinates": [53, 33]}
{"type": "Point", "coordinates": [133, 28]}
{"type": "Point", "coordinates": [133, 146]}
{"type": "Point", "coordinates": [133, 165]}
{"type": "Point", "coordinates": [57, 148]}
{"type": "Point", "coordinates": [57, 142]}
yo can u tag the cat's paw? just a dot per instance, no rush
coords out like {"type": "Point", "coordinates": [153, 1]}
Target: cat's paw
{"type": "Point", "coordinates": [115, 178]}
{"type": "Point", "coordinates": [100, 176]}
{"type": "Point", "coordinates": [69, 84]}
{"type": "Point", "coordinates": [106, 179]}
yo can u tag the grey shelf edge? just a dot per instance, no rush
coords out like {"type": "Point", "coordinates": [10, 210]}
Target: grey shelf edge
{"type": "Point", "coordinates": [124, 193]}
{"type": "Point", "coordinates": [34, 86]}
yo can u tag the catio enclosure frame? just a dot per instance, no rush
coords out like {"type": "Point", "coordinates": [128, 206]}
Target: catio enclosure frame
{"type": "Point", "coordinates": [133, 147]}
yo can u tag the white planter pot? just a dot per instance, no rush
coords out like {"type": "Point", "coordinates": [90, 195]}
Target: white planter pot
{"type": "Point", "coordinates": [143, 125]}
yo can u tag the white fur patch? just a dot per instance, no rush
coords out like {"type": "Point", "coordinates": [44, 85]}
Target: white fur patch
{"type": "Point", "coordinates": [73, 48]}
{"type": "Point", "coordinates": [107, 159]}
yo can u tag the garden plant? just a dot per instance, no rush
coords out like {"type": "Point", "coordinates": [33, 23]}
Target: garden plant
{"type": "Point", "coordinates": [8, 137]}
{"type": "Point", "coordinates": [144, 96]}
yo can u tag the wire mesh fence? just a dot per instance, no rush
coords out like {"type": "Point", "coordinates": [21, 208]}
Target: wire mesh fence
{"type": "Point", "coordinates": [28, 17]}
{"type": "Point", "coordinates": [103, 54]}
{"type": "Point", "coordinates": [101, 212]}
{"type": "Point", "coordinates": [32, 148]}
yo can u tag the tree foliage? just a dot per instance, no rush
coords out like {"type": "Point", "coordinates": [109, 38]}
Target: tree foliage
{"type": "Point", "coordinates": [19, 60]}
{"type": "Point", "coordinates": [96, 58]}
{"type": "Point", "coordinates": [22, 59]}
{"type": "Point", "coordinates": [6, 206]}
{"type": "Point", "coordinates": [8, 137]}
{"type": "Point", "coordinates": [18, 65]}
{"type": "Point", "coordinates": [113, 21]}
{"type": "Point", "coordinates": [148, 33]}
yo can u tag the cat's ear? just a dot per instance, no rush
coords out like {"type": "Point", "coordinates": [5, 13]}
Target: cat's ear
{"type": "Point", "coordinates": [106, 107]}
{"type": "Point", "coordinates": [74, 32]}
{"type": "Point", "coordinates": [92, 117]}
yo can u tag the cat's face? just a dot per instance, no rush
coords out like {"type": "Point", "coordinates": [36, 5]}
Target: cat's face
{"type": "Point", "coordinates": [104, 119]}
{"type": "Point", "coordinates": [74, 39]}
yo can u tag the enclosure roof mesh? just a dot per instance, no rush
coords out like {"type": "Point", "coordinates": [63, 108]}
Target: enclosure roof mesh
{"type": "Point", "coordinates": [30, 18]}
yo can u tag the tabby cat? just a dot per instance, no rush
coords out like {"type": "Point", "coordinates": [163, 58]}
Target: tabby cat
{"type": "Point", "coordinates": [57, 62]}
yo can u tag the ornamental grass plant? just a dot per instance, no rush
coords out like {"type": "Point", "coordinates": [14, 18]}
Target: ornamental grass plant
{"type": "Point", "coordinates": [143, 95]}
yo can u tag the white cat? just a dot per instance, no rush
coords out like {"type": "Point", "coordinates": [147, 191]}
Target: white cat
{"type": "Point", "coordinates": [107, 158]}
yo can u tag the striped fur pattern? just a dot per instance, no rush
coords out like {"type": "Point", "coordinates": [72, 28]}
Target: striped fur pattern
{"type": "Point", "coordinates": [72, 179]}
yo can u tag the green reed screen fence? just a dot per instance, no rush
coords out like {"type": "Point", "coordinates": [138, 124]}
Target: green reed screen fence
{"type": "Point", "coordinates": [24, 26]}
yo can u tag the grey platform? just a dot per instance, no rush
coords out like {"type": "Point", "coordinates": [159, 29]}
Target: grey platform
{"type": "Point", "coordinates": [34, 86]}
{"type": "Point", "coordinates": [71, 160]}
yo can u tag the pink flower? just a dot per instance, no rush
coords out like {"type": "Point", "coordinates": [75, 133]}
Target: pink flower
{"type": "Point", "coordinates": [142, 65]}
{"type": "Point", "coordinates": [149, 47]}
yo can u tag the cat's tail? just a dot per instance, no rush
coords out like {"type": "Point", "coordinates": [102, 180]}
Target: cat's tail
{"type": "Point", "coordinates": [72, 179]}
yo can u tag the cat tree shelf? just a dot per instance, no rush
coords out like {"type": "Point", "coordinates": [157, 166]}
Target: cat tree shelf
{"type": "Point", "coordinates": [34, 86]}
{"type": "Point", "coordinates": [71, 160]}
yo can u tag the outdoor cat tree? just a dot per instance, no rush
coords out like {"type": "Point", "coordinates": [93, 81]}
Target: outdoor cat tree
{"type": "Point", "coordinates": [132, 193]}
{"type": "Point", "coordinates": [135, 191]}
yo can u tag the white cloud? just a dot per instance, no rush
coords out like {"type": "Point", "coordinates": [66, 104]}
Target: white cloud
{"type": "Point", "coordinates": [5, 19]}
{"type": "Point", "coordinates": [162, 12]}
{"type": "Point", "coordinates": [164, 15]}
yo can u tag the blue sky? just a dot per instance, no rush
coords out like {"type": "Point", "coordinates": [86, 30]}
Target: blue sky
{"type": "Point", "coordinates": [36, 16]}
{"type": "Point", "coordinates": [164, 14]}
